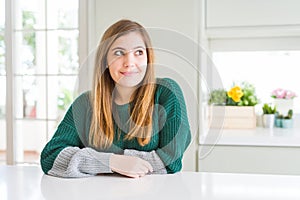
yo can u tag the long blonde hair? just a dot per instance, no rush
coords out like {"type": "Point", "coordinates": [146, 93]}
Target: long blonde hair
{"type": "Point", "coordinates": [102, 124]}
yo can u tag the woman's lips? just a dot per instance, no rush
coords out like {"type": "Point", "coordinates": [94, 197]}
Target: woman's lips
{"type": "Point", "coordinates": [128, 73]}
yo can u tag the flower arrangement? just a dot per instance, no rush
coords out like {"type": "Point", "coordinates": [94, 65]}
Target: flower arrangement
{"type": "Point", "coordinates": [238, 95]}
{"type": "Point", "coordinates": [280, 93]}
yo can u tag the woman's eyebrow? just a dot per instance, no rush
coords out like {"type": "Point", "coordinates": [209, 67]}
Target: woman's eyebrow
{"type": "Point", "coordinates": [140, 47]}
{"type": "Point", "coordinates": [137, 47]}
{"type": "Point", "coordinates": [118, 48]}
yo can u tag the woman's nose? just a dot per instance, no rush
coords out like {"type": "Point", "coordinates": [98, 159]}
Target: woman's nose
{"type": "Point", "coordinates": [129, 59]}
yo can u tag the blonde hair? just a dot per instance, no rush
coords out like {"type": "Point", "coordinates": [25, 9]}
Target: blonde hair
{"type": "Point", "coordinates": [102, 124]}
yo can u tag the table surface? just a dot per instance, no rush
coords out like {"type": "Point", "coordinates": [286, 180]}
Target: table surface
{"type": "Point", "coordinates": [29, 182]}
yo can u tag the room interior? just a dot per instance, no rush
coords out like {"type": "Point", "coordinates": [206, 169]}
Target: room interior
{"type": "Point", "coordinates": [205, 31]}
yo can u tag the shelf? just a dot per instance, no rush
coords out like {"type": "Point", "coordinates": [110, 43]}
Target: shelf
{"type": "Point", "coordinates": [253, 137]}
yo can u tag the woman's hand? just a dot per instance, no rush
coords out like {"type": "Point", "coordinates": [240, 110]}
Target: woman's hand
{"type": "Point", "coordinates": [129, 165]}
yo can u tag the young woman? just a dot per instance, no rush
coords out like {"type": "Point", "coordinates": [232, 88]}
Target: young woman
{"type": "Point", "coordinates": [129, 123]}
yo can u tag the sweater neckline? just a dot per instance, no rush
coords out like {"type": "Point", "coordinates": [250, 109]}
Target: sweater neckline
{"type": "Point", "coordinates": [122, 106]}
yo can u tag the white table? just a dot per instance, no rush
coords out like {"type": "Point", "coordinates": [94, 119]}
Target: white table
{"type": "Point", "coordinates": [29, 182]}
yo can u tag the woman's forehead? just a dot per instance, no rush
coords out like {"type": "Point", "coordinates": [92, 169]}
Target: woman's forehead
{"type": "Point", "coordinates": [129, 41]}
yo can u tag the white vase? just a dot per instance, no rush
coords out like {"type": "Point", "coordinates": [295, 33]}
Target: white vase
{"type": "Point", "coordinates": [283, 105]}
{"type": "Point", "coordinates": [268, 120]}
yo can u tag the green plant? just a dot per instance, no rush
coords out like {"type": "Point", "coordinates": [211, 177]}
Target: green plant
{"type": "Point", "coordinates": [64, 99]}
{"type": "Point", "coordinates": [217, 97]}
{"type": "Point", "coordinates": [28, 22]}
{"type": "Point", "coordinates": [289, 115]}
{"type": "Point", "coordinates": [269, 109]}
{"type": "Point", "coordinates": [249, 98]}
{"type": "Point", "coordinates": [279, 116]}
{"type": "Point", "coordinates": [239, 95]}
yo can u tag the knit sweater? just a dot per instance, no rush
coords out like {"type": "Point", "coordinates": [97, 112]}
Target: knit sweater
{"type": "Point", "coordinates": [170, 136]}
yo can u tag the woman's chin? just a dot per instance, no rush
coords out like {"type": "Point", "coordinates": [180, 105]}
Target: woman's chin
{"type": "Point", "coordinates": [129, 83]}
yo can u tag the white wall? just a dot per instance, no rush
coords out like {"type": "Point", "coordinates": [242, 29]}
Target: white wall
{"type": "Point", "coordinates": [172, 25]}
{"type": "Point", "coordinates": [256, 18]}
{"type": "Point", "coordinates": [245, 13]}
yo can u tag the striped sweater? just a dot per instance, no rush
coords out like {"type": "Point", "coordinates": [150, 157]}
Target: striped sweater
{"type": "Point", "coordinates": [69, 150]}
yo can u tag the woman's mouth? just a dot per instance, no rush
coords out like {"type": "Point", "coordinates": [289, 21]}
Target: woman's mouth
{"type": "Point", "coordinates": [128, 73]}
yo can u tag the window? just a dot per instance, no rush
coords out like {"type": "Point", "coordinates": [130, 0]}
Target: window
{"type": "Point", "coordinates": [2, 84]}
{"type": "Point", "coordinates": [45, 67]}
{"type": "Point", "coordinates": [267, 70]}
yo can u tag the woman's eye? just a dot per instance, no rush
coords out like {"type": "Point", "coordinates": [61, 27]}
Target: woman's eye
{"type": "Point", "coordinates": [139, 52]}
{"type": "Point", "coordinates": [119, 53]}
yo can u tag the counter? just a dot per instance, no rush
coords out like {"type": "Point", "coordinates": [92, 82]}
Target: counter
{"type": "Point", "coordinates": [29, 182]}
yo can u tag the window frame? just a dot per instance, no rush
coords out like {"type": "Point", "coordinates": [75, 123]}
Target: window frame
{"type": "Point", "coordinates": [11, 137]}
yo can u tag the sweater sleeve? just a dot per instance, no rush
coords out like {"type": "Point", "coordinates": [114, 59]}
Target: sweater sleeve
{"type": "Point", "coordinates": [66, 154]}
{"type": "Point", "coordinates": [65, 136]}
{"type": "Point", "coordinates": [151, 157]}
{"type": "Point", "coordinates": [73, 162]}
{"type": "Point", "coordinates": [174, 135]}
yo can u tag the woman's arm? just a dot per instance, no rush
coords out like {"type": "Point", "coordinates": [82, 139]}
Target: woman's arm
{"type": "Point", "coordinates": [155, 161]}
{"type": "Point", "coordinates": [76, 162]}
{"type": "Point", "coordinates": [66, 155]}
{"type": "Point", "coordinates": [174, 135]}
{"type": "Point", "coordinates": [174, 140]}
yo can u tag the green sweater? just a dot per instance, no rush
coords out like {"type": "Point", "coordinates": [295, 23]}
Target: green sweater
{"type": "Point", "coordinates": [170, 136]}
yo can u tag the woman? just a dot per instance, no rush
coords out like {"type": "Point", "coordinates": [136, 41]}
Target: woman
{"type": "Point", "coordinates": [129, 123]}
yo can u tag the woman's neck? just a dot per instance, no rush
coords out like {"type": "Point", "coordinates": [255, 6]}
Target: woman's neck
{"type": "Point", "coordinates": [123, 95]}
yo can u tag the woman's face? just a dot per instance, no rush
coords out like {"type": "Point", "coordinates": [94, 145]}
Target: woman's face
{"type": "Point", "coordinates": [127, 60]}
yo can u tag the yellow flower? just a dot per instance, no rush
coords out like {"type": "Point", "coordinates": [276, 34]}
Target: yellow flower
{"type": "Point", "coordinates": [235, 93]}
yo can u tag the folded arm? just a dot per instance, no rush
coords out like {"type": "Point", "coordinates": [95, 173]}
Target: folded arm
{"type": "Point", "coordinates": [76, 162]}
{"type": "Point", "coordinates": [151, 157]}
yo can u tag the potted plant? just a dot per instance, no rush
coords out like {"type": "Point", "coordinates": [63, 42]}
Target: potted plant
{"type": "Point", "coordinates": [217, 97]}
{"type": "Point", "coordinates": [233, 109]}
{"type": "Point", "coordinates": [287, 121]}
{"type": "Point", "coordinates": [243, 95]}
{"type": "Point", "coordinates": [284, 121]}
{"type": "Point", "coordinates": [278, 119]}
{"type": "Point", "coordinates": [269, 112]}
{"type": "Point", "coordinates": [283, 99]}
